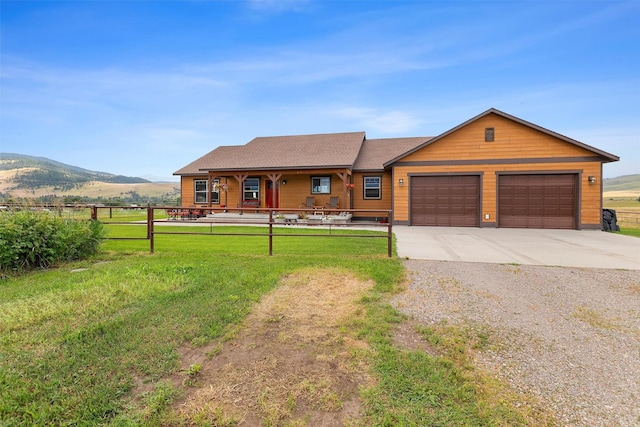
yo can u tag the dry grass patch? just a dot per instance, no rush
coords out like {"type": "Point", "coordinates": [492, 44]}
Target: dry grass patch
{"type": "Point", "coordinates": [291, 363]}
{"type": "Point", "coordinates": [594, 318]}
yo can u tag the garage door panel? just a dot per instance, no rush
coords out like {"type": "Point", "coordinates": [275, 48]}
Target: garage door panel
{"type": "Point", "coordinates": [537, 201]}
{"type": "Point", "coordinates": [446, 200]}
{"type": "Point", "coordinates": [565, 212]}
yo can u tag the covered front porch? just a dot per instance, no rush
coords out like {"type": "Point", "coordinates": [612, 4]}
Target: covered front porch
{"type": "Point", "coordinates": [279, 217]}
{"type": "Point", "coordinates": [325, 190]}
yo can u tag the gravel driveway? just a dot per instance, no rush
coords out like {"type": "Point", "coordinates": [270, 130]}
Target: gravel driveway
{"type": "Point", "coordinates": [569, 336]}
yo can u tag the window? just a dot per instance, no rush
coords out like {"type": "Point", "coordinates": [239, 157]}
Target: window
{"type": "Point", "coordinates": [321, 185]}
{"type": "Point", "coordinates": [251, 190]}
{"type": "Point", "coordinates": [372, 187]}
{"type": "Point", "coordinates": [489, 134]}
{"type": "Point", "coordinates": [215, 192]}
{"type": "Point", "coordinates": [200, 186]}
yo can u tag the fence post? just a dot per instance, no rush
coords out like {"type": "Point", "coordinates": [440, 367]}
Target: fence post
{"type": "Point", "coordinates": [270, 232]}
{"type": "Point", "coordinates": [94, 213]}
{"type": "Point", "coordinates": [150, 233]}
{"type": "Point", "coordinates": [149, 220]}
{"type": "Point", "coordinates": [389, 240]}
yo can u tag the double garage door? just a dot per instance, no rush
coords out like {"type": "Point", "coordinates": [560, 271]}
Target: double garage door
{"type": "Point", "coordinates": [524, 201]}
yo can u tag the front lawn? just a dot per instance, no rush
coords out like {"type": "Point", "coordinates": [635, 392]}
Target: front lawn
{"type": "Point", "coordinates": [79, 338]}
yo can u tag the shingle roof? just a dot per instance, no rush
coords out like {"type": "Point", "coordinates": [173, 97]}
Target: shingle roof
{"type": "Point", "coordinates": [215, 156]}
{"type": "Point", "coordinates": [335, 150]}
{"type": "Point", "coordinates": [375, 152]}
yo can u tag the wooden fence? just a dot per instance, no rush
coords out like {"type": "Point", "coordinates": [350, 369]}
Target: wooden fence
{"type": "Point", "coordinates": [628, 218]}
{"type": "Point", "coordinates": [159, 216]}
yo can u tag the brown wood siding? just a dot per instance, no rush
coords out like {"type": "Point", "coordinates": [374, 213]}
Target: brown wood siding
{"type": "Point", "coordinates": [292, 195]}
{"type": "Point", "coordinates": [513, 144]}
{"type": "Point", "coordinates": [537, 201]}
{"type": "Point", "coordinates": [445, 200]}
{"type": "Point", "coordinates": [359, 202]}
{"type": "Point", "coordinates": [589, 195]}
{"type": "Point", "coordinates": [187, 186]}
{"type": "Point", "coordinates": [512, 140]}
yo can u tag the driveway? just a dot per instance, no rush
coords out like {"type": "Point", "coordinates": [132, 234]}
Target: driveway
{"type": "Point", "coordinates": [570, 248]}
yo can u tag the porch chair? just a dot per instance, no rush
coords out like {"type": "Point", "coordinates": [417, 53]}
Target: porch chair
{"type": "Point", "coordinates": [310, 203]}
{"type": "Point", "coordinates": [334, 203]}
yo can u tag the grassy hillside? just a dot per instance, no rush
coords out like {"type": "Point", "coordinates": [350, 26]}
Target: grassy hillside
{"type": "Point", "coordinates": [31, 177]}
{"type": "Point", "coordinates": [621, 192]}
{"type": "Point", "coordinates": [622, 183]}
{"type": "Point", "coordinates": [36, 172]}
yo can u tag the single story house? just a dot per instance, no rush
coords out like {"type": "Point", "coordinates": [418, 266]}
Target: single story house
{"type": "Point", "coordinates": [494, 170]}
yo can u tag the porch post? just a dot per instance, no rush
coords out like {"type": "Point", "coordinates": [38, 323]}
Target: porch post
{"type": "Point", "coordinates": [344, 176]}
{"type": "Point", "coordinates": [274, 179]}
{"type": "Point", "coordinates": [240, 179]}
{"type": "Point", "coordinates": [210, 188]}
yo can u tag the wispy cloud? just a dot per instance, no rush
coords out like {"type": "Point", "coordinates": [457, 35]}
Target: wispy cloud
{"type": "Point", "coordinates": [274, 67]}
{"type": "Point", "coordinates": [392, 122]}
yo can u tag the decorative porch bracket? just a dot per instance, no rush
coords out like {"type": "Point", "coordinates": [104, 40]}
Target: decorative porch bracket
{"type": "Point", "coordinates": [344, 176]}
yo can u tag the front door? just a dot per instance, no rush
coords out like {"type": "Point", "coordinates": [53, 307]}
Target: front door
{"type": "Point", "coordinates": [273, 195]}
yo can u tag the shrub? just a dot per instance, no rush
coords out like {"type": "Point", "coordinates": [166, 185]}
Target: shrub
{"type": "Point", "coordinates": [38, 239]}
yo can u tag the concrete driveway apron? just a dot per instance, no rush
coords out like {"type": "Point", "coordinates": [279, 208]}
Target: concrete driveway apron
{"type": "Point", "coordinates": [571, 248]}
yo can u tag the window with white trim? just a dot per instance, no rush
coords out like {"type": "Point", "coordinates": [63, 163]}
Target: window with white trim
{"type": "Point", "coordinates": [251, 189]}
{"type": "Point", "coordinates": [200, 187]}
{"type": "Point", "coordinates": [372, 187]}
{"type": "Point", "coordinates": [320, 185]}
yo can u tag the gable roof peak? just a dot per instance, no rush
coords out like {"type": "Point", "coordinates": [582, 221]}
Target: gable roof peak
{"type": "Point", "coordinates": [607, 157]}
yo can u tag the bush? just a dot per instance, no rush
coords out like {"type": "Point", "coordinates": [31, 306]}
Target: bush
{"type": "Point", "coordinates": [38, 239]}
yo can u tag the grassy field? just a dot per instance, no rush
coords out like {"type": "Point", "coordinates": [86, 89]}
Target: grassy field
{"type": "Point", "coordinates": [90, 189]}
{"type": "Point", "coordinates": [613, 202]}
{"type": "Point", "coordinates": [93, 342]}
{"type": "Point", "coordinates": [628, 212]}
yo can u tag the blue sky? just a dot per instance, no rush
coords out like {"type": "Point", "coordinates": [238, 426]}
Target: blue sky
{"type": "Point", "coordinates": [145, 87]}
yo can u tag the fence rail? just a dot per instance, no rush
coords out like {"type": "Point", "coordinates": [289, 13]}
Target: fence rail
{"type": "Point", "coordinates": [159, 216]}
{"type": "Point", "coordinates": [628, 217]}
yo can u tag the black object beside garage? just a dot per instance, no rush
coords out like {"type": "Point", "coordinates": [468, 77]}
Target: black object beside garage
{"type": "Point", "coordinates": [609, 220]}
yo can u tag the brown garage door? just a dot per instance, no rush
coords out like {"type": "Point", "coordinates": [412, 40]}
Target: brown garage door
{"type": "Point", "coordinates": [537, 201]}
{"type": "Point", "coordinates": [445, 200]}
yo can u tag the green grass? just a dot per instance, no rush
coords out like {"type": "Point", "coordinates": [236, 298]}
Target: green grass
{"type": "Point", "coordinates": [621, 202]}
{"type": "Point", "coordinates": [284, 243]}
{"type": "Point", "coordinates": [76, 339]}
{"type": "Point", "coordinates": [630, 231]}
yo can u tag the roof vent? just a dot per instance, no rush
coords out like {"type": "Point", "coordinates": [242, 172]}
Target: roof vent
{"type": "Point", "coordinates": [488, 134]}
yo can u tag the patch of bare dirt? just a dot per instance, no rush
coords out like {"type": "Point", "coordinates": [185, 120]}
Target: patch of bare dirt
{"type": "Point", "coordinates": [293, 361]}
{"type": "Point", "coordinates": [406, 336]}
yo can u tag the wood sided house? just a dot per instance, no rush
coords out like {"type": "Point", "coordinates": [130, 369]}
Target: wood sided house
{"type": "Point", "coordinates": [494, 170]}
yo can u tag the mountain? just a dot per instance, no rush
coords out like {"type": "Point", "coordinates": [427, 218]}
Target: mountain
{"type": "Point", "coordinates": [25, 176]}
{"type": "Point", "coordinates": [37, 172]}
{"type": "Point", "coordinates": [163, 179]}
